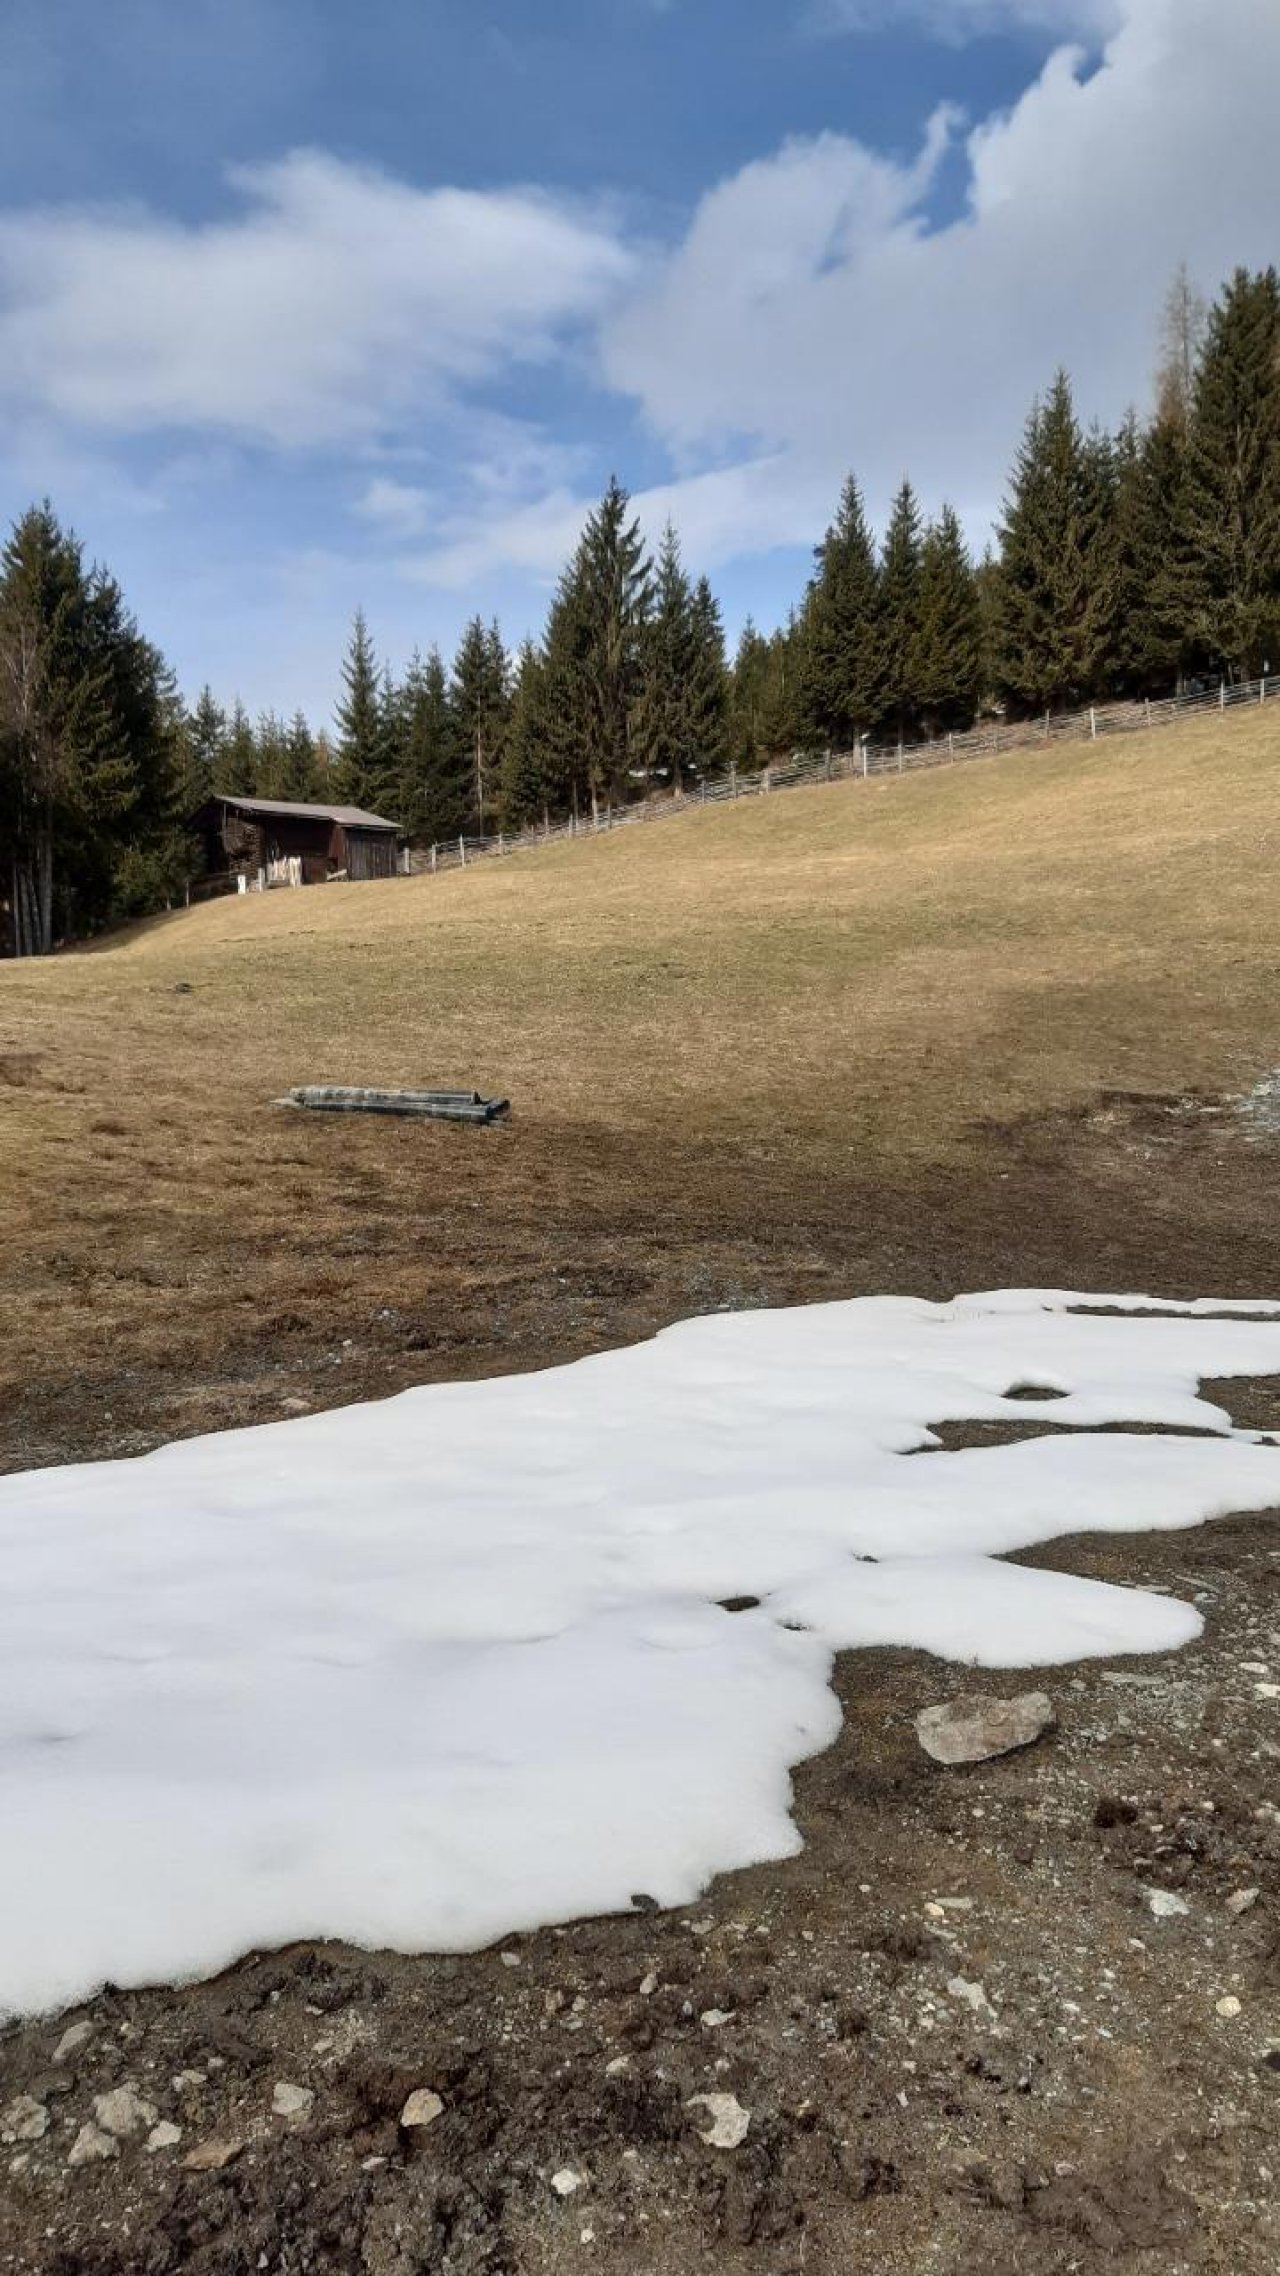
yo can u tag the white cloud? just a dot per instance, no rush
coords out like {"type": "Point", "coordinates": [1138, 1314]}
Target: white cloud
{"type": "Point", "coordinates": [812, 318]}
{"type": "Point", "coordinates": [334, 300]}
{"type": "Point", "coordinates": [400, 508]}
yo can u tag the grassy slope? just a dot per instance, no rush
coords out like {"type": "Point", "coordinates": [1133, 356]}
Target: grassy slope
{"type": "Point", "coordinates": [865, 972]}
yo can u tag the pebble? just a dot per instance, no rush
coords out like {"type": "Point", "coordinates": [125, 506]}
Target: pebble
{"type": "Point", "coordinates": [1227, 2006]}
{"type": "Point", "coordinates": [729, 2122]}
{"type": "Point", "coordinates": [1166, 1904]}
{"type": "Point", "coordinates": [1267, 1690]}
{"type": "Point", "coordinates": [973, 1995]}
{"type": "Point", "coordinates": [713, 2017]}
{"type": "Point", "coordinates": [123, 2112]}
{"type": "Point", "coordinates": [649, 1984]}
{"type": "Point", "coordinates": [566, 2181]}
{"type": "Point", "coordinates": [422, 2108]}
{"type": "Point", "coordinates": [974, 1728]}
{"type": "Point", "coordinates": [619, 2065]}
{"type": "Point", "coordinates": [165, 2136]}
{"type": "Point", "coordinates": [509, 1959]}
{"type": "Point", "coordinates": [289, 2101]}
{"type": "Point", "coordinates": [24, 2120]}
{"type": "Point", "coordinates": [90, 2144]}
{"type": "Point", "coordinates": [76, 2036]}
{"type": "Point", "coordinates": [211, 2156]}
{"type": "Point", "coordinates": [1242, 1900]}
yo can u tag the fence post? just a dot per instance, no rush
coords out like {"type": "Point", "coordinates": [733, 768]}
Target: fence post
{"type": "Point", "coordinates": [1147, 702]}
{"type": "Point", "coordinates": [951, 747]}
{"type": "Point", "coordinates": [1262, 689]}
{"type": "Point", "coordinates": [1093, 724]}
{"type": "Point", "coordinates": [864, 758]}
{"type": "Point", "coordinates": [433, 860]}
{"type": "Point", "coordinates": [462, 851]}
{"type": "Point", "coordinates": [502, 841]}
{"type": "Point", "coordinates": [733, 780]}
{"type": "Point", "coordinates": [901, 757]}
{"type": "Point", "coordinates": [1222, 695]}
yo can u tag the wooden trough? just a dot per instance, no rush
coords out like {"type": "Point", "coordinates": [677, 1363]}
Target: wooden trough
{"type": "Point", "coordinates": [442, 1106]}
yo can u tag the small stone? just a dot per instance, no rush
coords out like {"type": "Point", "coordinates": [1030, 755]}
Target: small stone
{"type": "Point", "coordinates": [934, 1911]}
{"type": "Point", "coordinates": [729, 2122]}
{"type": "Point", "coordinates": [1227, 2006]}
{"type": "Point", "coordinates": [1242, 1900]}
{"type": "Point", "coordinates": [24, 2120]}
{"type": "Point", "coordinates": [973, 1995]}
{"type": "Point", "coordinates": [91, 2144]}
{"type": "Point", "coordinates": [1166, 1904]}
{"type": "Point", "coordinates": [976, 1728]}
{"type": "Point", "coordinates": [422, 2108]}
{"type": "Point", "coordinates": [76, 2036]}
{"type": "Point", "coordinates": [123, 2112]}
{"type": "Point", "coordinates": [566, 2181]}
{"type": "Point", "coordinates": [713, 2017]}
{"type": "Point", "coordinates": [211, 2156]}
{"type": "Point", "coordinates": [292, 2102]}
{"type": "Point", "coordinates": [165, 2136]}
{"type": "Point", "coordinates": [619, 2065]}
{"type": "Point", "coordinates": [189, 2082]}
{"type": "Point", "coordinates": [1267, 1690]}
{"type": "Point", "coordinates": [509, 1959]}
{"type": "Point", "coordinates": [649, 1984]}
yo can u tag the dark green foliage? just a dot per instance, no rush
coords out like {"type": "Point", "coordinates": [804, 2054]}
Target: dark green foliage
{"type": "Point", "coordinates": [841, 695]}
{"type": "Point", "coordinates": [528, 790]}
{"type": "Point", "coordinates": [1228, 514]}
{"type": "Point", "coordinates": [236, 773]}
{"type": "Point", "coordinates": [708, 685]}
{"type": "Point", "coordinates": [679, 730]}
{"type": "Point", "coordinates": [478, 698]}
{"type": "Point", "coordinates": [950, 658]}
{"type": "Point", "coordinates": [900, 601]}
{"type": "Point", "coordinates": [204, 734]}
{"type": "Point", "coordinates": [611, 593]}
{"type": "Point", "coordinates": [1055, 605]}
{"type": "Point", "coordinates": [434, 795]}
{"type": "Point", "coordinates": [365, 768]}
{"type": "Point", "coordinates": [91, 743]}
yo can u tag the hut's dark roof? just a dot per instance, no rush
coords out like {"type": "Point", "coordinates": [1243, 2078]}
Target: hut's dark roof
{"type": "Point", "coordinates": [350, 817]}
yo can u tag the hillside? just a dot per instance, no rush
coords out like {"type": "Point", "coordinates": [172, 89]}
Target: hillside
{"type": "Point", "coordinates": [803, 1042]}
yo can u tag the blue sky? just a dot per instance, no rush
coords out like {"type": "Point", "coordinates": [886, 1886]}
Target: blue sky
{"type": "Point", "coordinates": [305, 305]}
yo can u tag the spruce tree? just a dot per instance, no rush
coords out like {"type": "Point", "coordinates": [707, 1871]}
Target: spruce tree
{"type": "Point", "coordinates": [237, 775]}
{"type": "Point", "coordinates": [841, 694]}
{"type": "Point", "coordinates": [362, 755]}
{"type": "Point", "coordinates": [664, 733]}
{"type": "Point", "coordinates": [299, 774]}
{"type": "Point", "coordinates": [1055, 600]}
{"type": "Point", "coordinates": [205, 734]}
{"type": "Point", "coordinates": [528, 789]}
{"type": "Point", "coordinates": [613, 592]}
{"type": "Point", "coordinates": [900, 614]}
{"type": "Point", "coordinates": [435, 781]}
{"type": "Point", "coordinates": [1228, 525]}
{"type": "Point", "coordinates": [271, 738]}
{"type": "Point", "coordinates": [950, 660]}
{"type": "Point", "coordinates": [478, 696]}
{"type": "Point", "coordinates": [707, 702]}
{"type": "Point", "coordinates": [748, 682]}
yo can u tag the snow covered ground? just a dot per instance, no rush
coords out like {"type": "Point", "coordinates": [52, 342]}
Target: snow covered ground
{"type": "Point", "coordinates": [422, 1672]}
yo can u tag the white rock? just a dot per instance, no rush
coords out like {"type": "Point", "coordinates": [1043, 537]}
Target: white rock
{"type": "Point", "coordinates": [1242, 1900]}
{"type": "Point", "coordinates": [288, 2101]}
{"type": "Point", "coordinates": [211, 2156]}
{"type": "Point", "coordinates": [422, 2108]}
{"type": "Point", "coordinates": [713, 2017]}
{"type": "Point", "coordinates": [90, 2144]}
{"type": "Point", "coordinates": [649, 1984]}
{"type": "Point", "coordinates": [566, 2181]}
{"type": "Point", "coordinates": [973, 1995]}
{"type": "Point", "coordinates": [123, 2112]}
{"type": "Point", "coordinates": [729, 2122]}
{"type": "Point", "coordinates": [509, 1959]}
{"type": "Point", "coordinates": [1166, 1904]}
{"type": "Point", "coordinates": [1228, 2005]}
{"type": "Point", "coordinates": [165, 2136]}
{"type": "Point", "coordinates": [975, 1728]}
{"type": "Point", "coordinates": [618, 2066]}
{"type": "Point", "coordinates": [24, 2120]}
{"type": "Point", "coordinates": [1267, 1690]}
{"type": "Point", "coordinates": [76, 2036]}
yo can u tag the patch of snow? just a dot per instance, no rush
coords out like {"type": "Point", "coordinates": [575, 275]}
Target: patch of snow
{"type": "Point", "coordinates": [428, 1672]}
{"type": "Point", "coordinates": [1259, 1109]}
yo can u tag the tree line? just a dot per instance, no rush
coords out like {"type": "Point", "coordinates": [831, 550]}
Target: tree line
{"type": "Point", "coordinates": [1126, 563]}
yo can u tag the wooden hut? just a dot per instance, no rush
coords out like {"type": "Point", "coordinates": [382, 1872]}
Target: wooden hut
{"type": "Point", "coordinates": [271, 841]}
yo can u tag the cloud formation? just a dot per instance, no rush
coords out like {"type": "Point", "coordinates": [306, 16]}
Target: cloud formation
{"type": "Point", "coordinates": [956, 21]}
{"type": "Point", "coordinates": [331, 302]}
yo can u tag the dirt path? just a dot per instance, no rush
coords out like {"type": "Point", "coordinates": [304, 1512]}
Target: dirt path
{"type": "Point", "coordinates": [1095, 2099]}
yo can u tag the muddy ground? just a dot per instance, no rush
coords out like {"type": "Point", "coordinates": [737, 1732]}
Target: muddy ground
{"type": "Point", "coordinates": [965, 2040]}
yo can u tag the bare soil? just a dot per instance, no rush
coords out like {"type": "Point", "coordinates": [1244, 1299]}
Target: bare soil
{"type": "Point", "coordinates": [1094, 2110]}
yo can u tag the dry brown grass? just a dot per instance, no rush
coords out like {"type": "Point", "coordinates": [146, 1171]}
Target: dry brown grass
{"type": "Point", "coordinates": [791, 989]}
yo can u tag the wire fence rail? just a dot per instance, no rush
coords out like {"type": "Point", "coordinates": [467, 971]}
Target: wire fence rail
{"type": "Point", "coordinates": [867, 761]}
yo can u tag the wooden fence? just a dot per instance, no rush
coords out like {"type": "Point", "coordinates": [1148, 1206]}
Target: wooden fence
{"type": "Point", "coordinates": [803, 768]}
